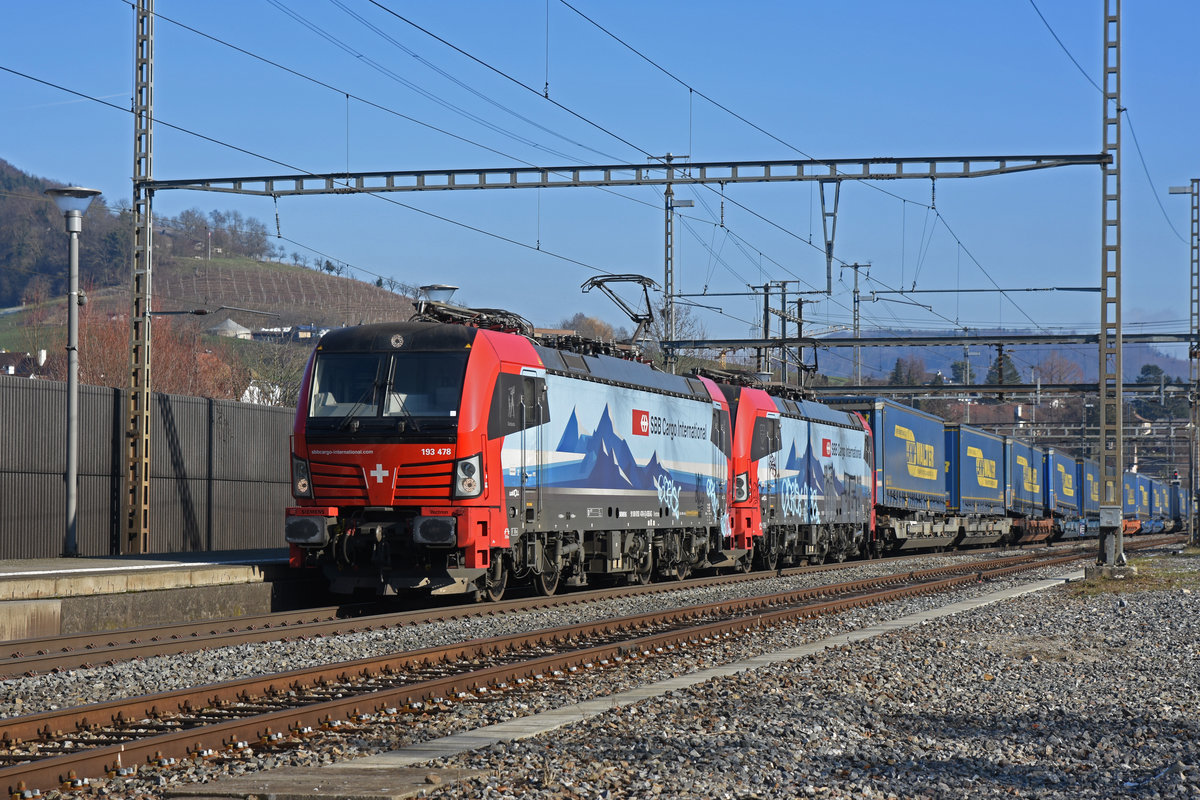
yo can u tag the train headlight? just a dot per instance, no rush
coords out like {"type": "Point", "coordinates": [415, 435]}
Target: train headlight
{"type": "Point", "coordinates": [301, 481]}
{"type": "Point", "coordinates": [741, 488]}
{"type": "Point", "coordinates": [467, 478]}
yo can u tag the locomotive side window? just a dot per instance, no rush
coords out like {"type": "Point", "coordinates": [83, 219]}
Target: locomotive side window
{"type": "Point", "coordinates": [720, 431]}
{"type": "Point", "coordinates": [766, 438]}
{"type": "Point", "coordinates": [518, 402]}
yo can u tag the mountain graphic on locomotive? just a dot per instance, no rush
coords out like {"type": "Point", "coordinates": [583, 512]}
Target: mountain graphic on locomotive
{"type": "Point", "coordinates": [457, 454]}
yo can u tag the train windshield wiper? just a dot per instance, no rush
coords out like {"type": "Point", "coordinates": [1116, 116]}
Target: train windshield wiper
{"type": "Point", "coordinates": [349, 418]}
{"type": "Point", "coordinates": [409, 419]}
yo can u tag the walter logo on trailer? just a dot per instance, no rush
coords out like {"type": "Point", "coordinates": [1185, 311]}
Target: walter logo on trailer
{"type": "Point", "coordinates": [827, 448]}
{"type": "Point", "coordinates": [641, 423]}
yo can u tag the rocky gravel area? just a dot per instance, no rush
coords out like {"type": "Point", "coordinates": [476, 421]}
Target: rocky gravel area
{"type": "Point", "coordinates": [1040, 696]}
{"type": "Point", "coordinates": [30, 695]}
{"type": "Point", "coordinates": [1045, 695]}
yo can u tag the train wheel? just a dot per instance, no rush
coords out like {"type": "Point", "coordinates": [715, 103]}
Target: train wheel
{"type": "Point", "coordinates": [744, 564]}
{"type": "Point", "coordinates": [546, 583]}
{"type": "Point", "coordinates": [767, 555]}
{"type": "Point", "coordinates": [823, 546]}
{"type": "Point", "coordinates": [645, 570]}
{"type": "Point", "coordinates": [841, 546]}
{"type": "Point", "coordinates": [681, 571]}
{"type": "Point", "coordinates": [495, 582]}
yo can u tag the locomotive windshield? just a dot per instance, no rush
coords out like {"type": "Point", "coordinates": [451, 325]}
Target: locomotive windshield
{"type": "Point", "coordinates": [378, 390]}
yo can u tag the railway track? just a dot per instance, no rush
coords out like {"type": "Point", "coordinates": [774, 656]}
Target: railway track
{"type": "Point", "coordinates": [62, 749]}
{"type": "Point", "coordinates": [86, 650]}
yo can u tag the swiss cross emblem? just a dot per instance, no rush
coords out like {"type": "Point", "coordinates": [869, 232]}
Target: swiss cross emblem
{"type": "Point", "coordinates": [379, 473]}
{"type": "Point", "coordinates": [641, 423]}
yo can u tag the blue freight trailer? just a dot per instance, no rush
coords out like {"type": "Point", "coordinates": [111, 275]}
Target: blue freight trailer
{"type": "Point", "coordinates": [975, 484]}
{"type": "Point", "coordinates": [1060, 491]}
{"type": "Point", "coordinates": [910, 484]}
{"type": "Point", "coordinates": [1181, 507]}
{"type": "Point", "coordinates": [1143, 499]}
{"type": "Point", "coordinates": [1088, 471]}
{"type": "Point", "coordinates": [1024, 471]}
{"type": "Point", "coordinates": [1160, 507]}
{"type": "Point", "coordinates": [1129, 502]}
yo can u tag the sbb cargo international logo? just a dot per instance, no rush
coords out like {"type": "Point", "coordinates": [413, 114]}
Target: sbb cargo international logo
{"type": "Point", "coordinates": [827, 448]}
{"type": "Point", "coordinates": [641, 423]}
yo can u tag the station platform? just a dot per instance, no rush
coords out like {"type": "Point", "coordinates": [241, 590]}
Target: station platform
{"type": "Point", "coordinates": [49, 596]}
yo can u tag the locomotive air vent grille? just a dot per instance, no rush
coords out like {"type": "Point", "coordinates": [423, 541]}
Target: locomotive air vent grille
{"type": "Point", "coordinates": [423, 482]}
{"type": "Point", "coordinates": [338, 483]}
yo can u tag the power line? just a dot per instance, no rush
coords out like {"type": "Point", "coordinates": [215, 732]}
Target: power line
{"type": "Point", "coordinates": [1136, 145]}
{"type": "Point", "coordinates": [510, 78]}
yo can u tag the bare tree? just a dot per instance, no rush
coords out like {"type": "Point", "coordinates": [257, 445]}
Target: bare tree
{"type": "Point", "coordinates": [1056, 368]}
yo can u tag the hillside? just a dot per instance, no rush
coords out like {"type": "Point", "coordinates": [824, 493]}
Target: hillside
{"type": "Point", "coordinates": [248, 275]}
{"type": "Point", "coordinates": [300, 296]}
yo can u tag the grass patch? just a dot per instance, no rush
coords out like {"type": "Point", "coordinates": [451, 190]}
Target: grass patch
{"type": "Point", "coordinates": [1156, 573]}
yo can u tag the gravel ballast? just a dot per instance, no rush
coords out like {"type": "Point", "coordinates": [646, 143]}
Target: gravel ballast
{"type": "Point", "coordinates": [1044, 695]}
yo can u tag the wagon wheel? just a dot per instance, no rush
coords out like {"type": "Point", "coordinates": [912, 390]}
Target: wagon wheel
{"type": "Point", "coordinates": [495, 581]}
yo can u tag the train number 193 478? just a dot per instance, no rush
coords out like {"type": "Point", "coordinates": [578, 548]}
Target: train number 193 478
{"type": "Point", "coordinates": [436, 451]}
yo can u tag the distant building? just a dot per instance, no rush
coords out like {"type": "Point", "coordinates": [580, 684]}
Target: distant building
{"type": "Point", "coordinates": [308, 332]}
{"type": "Point", "coordinates": [263, 393]}
{"type": "Point", "coordinates": [230, 329]}
{"type": "Point", "coordinates": [22, 365]}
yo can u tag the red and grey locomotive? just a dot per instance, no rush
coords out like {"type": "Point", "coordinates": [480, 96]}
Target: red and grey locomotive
{"type": "Point", "coordinates": [455, 458]}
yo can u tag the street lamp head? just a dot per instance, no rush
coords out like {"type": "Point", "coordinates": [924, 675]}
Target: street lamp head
{"type": "Point", "coordinates": [72, 198]}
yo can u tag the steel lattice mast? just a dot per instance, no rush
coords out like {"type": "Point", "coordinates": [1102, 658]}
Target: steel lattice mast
{"type": "Point", "coordinates": [1112, 449]}
{"type": "Point", "coordinates": [137, 533]}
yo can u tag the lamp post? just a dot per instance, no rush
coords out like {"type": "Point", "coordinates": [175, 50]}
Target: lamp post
{"type": "Point", "coordinates": [72, 201]}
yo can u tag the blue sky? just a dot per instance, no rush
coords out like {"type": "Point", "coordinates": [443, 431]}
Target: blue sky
{"type": "Point", "coordinates": [833, 80]}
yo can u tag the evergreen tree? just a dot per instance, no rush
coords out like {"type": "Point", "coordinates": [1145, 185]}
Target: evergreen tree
{"type": "Point", "coordinates": [1003, 371]}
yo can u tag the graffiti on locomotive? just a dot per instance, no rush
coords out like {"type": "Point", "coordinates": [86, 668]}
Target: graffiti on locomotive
{"type": "Point", "coordinates": [815, 470]}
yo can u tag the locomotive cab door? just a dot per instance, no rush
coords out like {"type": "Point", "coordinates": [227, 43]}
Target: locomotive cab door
{"type": "Point", "coordinates": [766, 442]}
{"type": "Point", "coordinates": [534, 412]}
{"type": "Point", "coordinates": [519, 404]}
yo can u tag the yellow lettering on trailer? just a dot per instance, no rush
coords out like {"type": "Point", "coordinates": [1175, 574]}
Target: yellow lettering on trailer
{"type": "Point", "coordinates": [1030, 478]}
{"type": "Point", "coordinates": [985, 473]}
{"type": "Point", "coordinates": [921, 461]}
{"type": "Point", "coordinates": [985, 468]}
